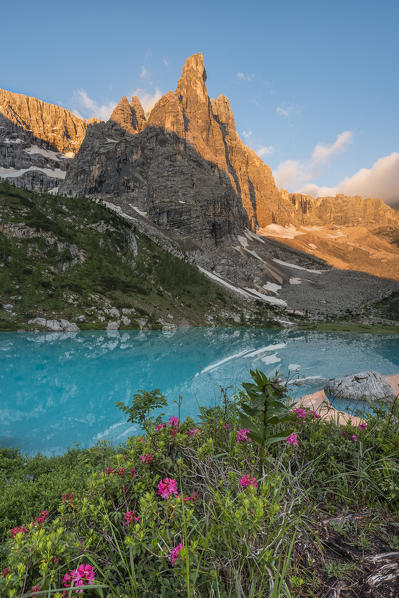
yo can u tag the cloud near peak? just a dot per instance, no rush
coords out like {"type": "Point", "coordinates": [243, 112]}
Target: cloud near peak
{"type": "Point", "coordinates": [381, 180]}
{"type": "Point", "coordinates": [89, 108]}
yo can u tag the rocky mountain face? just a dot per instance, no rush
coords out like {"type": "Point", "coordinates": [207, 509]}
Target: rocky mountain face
{"type": "Point", "coordinates": [341, 210]}
{"type": "Point", "coordinates": [37, 140]}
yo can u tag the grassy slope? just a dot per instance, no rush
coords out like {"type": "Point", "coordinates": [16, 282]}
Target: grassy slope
{"type": "Point", "coordinates": [77, 258]}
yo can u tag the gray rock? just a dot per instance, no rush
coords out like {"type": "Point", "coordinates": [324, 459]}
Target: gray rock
{"type": "Point", "coordinates": [69, 326]}
{"type": "Point", "coordinates": [113, 325]}
{"type": "Point", "coordinates": [125, 321]}
{"type": "Point", "coordinates": [55, 325]}
{"type": "Point", "coordinates": [81, 318]}
{"type": "Point", "coordinates": [360, 386]}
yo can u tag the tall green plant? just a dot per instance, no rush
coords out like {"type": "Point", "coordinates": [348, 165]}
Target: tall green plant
{"type": "Point", "coordinates": [143, 403]}
{"type": "Point", "coordinates": [262, 407]}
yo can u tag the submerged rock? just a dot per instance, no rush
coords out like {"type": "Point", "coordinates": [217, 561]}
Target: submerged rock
{"type": "Point", "coordinates": [358, 387]}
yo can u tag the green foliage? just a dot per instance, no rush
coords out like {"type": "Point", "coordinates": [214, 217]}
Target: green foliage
{"type": "Point", "coordinates": [143, 403]}
{"type": "Point", "coordinates": [263, 407]}
{"type": "Point", "coordinates": [236, 540]}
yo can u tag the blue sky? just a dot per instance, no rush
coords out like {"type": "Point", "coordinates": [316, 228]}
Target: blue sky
{"type": "Point", "coordinates": [313, 85]}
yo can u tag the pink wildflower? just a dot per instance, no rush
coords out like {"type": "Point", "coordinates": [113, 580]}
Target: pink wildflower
{"type": "Point", "coordinates": [121, 471]}
{"type": "Point", "coordinates": [175, 553]}
{"type": "Point", "coordinates": [173, 422]}
{"type": "Point", "coordinates": [354, 437]}
{"type": "Point", "coordinates": [194, 432]}
{"type": "Point", "coordinates": [247, 481]}
{"type": "Point", "coordinates": [300, 413]}
{"type": "Point", "coordinates": [42, 518]}
{"type": "Point", "coordinates": [16, 530]}
{"type": "Point", "coordinates": [84, 574]}
{"type": "Point", "coordinates": [56, 559]}
{"type": "Point", "coordinates": [243, 435]}
{"type": "Point", "coordinates": [160, 427]}
{"type": "Point", "coordinates": [292, 439]}
{"type": "Point", "coordinates": [314, 414]}
{"type": "Point", "coordinates": [362, 426]}
{"type": "Point", "coordinates": [109, 470]}
{"type": "Point", "coordinates": [142, 439]}
{"type": "Point", "coordinates": [132, 472]}
{"type": "Point", "coordinates": [35, 589]}
{"type": "Point", "coordinates": [6, 572]}
{"type": "Point", "coordinates": [146, 458]}
{"type": "Point", "coordinates": [129, 517]}
{"type": "Point", "coordinates": [166, 487]}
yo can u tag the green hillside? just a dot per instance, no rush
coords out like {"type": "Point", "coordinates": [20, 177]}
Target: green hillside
{"type": "Point", "coordinates": [68, 258]}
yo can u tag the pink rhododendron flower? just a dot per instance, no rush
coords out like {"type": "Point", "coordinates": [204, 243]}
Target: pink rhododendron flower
{"type": "Point", "coordinates": [160, 427]}
{"type": "Point", "coordinates": [132, 472]}
{"type": "Point", "coordinates": [300, 413]}
{"type": "Point", "coordinates": [354, 437]}
{"type": "Point", "coordinates": [175, 553]}
{"type": "Point", "coordinates": [142, 439]}
{"type": "Point", "coordinates": [166, 487]}
{"type": "Point", "coordinates": [174, 422]}
{"type": "Point", "coordinates": [314, 414]}
{"type": "Point", "coordinates": [109, 470]}
{"type": "Point", "coordinates": [121, 471]}
{"type": "Point", "coordinates": [242, 435]}
{"type": "Point", "coordinates": [81, 576]}
{"type": "Point", "coordinates": [35, 589]}
{"type": "Point", "coordinates": [146, 458]}
{"type": "Point", "coordinates": [42, 518]}
{"type": "Point", "coordinates": [362, 426]}
{"type": "Point", "coordinates": [129, 517]}
{"type": "Point", "coordinates": [6, 572]}
{"type": "Point", "coordinates": [247, 481]}
{"type": "Point", "coordinates": [292, 439]}
{"type": "Point", "coordinates": [56, 559]}
{"type": "Point", "coordinates": [194, 432]}
{"type": "Point", "coordinates": [16, 530]}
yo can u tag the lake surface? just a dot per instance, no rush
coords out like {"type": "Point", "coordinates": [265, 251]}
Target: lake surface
{"type": "Point", "coordinates": [57, 390]}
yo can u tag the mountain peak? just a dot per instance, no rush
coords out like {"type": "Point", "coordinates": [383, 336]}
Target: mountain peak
{"type": "Point", "coordinates": [129, 116]}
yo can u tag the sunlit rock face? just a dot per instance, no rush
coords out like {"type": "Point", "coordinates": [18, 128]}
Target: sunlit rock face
{"type": "Point", "coordinates": [208, 124]}
{"type": "Point", "coordinates": [130, 116]}
{"type": "Point", "coordinates": [55, 125]}
{"type": "Point", "coordinates": [37, 140]}
{"type": "Point", "coordinates": [342, 210]}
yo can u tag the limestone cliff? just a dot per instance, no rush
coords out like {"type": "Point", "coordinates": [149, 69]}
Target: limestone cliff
{"type": "Point", "coordinates": [209, 126]}
{"type": "Point", "coordinates": [342, 210]}
{"type": "Point", "coordinates": [129, 116]}
{"type": "Point", "coordinates": [55, 125]}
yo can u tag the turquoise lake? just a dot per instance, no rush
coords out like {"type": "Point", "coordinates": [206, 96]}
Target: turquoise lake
{"type": "Point", "coordinates": [58, 390]}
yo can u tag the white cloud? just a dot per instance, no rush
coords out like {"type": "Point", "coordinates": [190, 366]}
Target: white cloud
{"type": "Point", "coordinates": [143, 72]}
{"type": "Point", "coordinates": [381, 180]}
{"type": "Point", "coordinates": [322, 153]}
{"type": "Point", "coordinates": [165, 61]}
{"type": "Point", "coordinates": [245, 77]}
{"type": "Point", "coordinates": [264, 151]}
{"type": "Point", "coordinates": [88, 108]}
{"type": "Point", "coordinates": [294, 174]}
{"type": "Point", "coordinates": [147, 99]}
{"type": "Point", "coordinates": [284, 111]}
{"type": "Point", "coordinates": [247, 134]}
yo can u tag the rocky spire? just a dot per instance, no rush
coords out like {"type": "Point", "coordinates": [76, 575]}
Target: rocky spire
{"type": "Point", "coordinates": [139, 115]}
{"type": "Point", "coordinates": [129, 116]}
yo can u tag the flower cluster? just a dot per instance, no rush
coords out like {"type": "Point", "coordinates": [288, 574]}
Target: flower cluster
{"type": "Point", "coordinates": [166, 487]}
{"type": "Point", "coordinates": [174, 422]}
{"type": "Point", "coordinates": [292, 439]}
{"type": "Point", "coordinates": [301, 413]}
{"type": "Point", "coordinates": [16, 530]}
{"type": "Point", "coordinates": [362, 426]}
{"type": "Point", "coordinates": [242, 436]}
{"type": "Point", "coordinates": [42, 518]}
{"type": "Point", "coordinates": [81, 576]}
{"type": "Point", "coordinates": [160, 427]}
{"type": "Point", "coordinates": [175, 553]}
{"type": "Point", "coordinates": [146, 458]}
{"type": "Point", "coordinates": [129, 517]}
{"type": "Point", "coordinates": [194, 432]}
{"type": "Point", "coordinates": [247, 481]}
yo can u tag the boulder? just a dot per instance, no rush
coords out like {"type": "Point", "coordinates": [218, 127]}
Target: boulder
{"type": "Point", "coordinates": [358, 387]}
